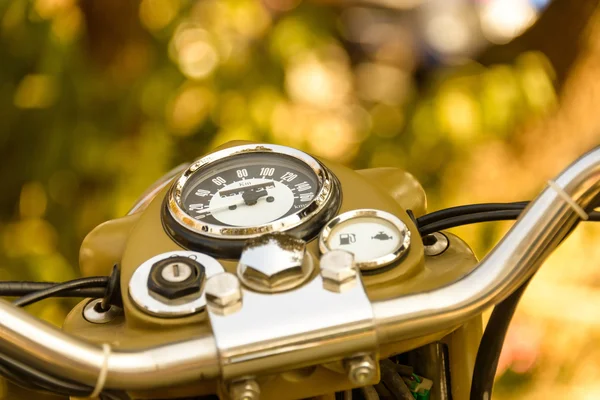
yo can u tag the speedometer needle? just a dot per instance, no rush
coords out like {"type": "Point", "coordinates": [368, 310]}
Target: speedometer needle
{"type": "Point", "coordinates": [266, 185]}
{"type": "Point", "coordinates": [222, 208]}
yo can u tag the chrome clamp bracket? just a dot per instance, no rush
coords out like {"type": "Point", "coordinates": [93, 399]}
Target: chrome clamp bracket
{"type": "Point", "coordinates": [308, 325]}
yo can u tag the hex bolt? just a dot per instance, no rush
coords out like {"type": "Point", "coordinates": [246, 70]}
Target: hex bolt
{"type": "Point", "coordinates": [338, 270]}
{"type": "Point", "coordinates": [274, 262]}
{"type": "Point", "coordinates": [361, 370]}
{"type": "Point", "coordinates": [223, 293]}
{"type": "Point", "coordinates": [246, 389]}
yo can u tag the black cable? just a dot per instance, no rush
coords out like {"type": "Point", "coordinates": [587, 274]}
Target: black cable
{"type": "Point", "coordinates": [500, 215]}
{"type": "Point", "coordinates": [451, 222]}
{"type": "Point", "coordinates": [22, 288]}
{"type": "Point", "coordinates": [30, 378]}
{"type": "Point", "coordinates": [18, 380]}
{"type": "Point", "coordinates": [393, 381]}
{"type": "Point", "coordinates": [81, 283]}
{"type": "Point", "coordinates": [33, 379]}
{"type": "Point", "coordinates": [109, 292]}
{"type": "Point", "coordinates": [112, 294]}
{"type": "Point", "coordinates": [488, 354]}
{"type": "Point", "coordinates": [469, 209]}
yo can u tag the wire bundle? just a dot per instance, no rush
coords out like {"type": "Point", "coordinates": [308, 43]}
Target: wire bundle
{"type": "Point", "coordinates": [475, 213]}
{"type": "Point", "coordinates": [32, 292]}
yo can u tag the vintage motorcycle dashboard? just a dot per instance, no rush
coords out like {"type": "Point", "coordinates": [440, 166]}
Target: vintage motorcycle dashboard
{"type": "Point", "coordinates": [263, 218]}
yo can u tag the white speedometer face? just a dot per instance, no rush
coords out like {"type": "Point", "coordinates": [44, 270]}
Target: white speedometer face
{"type": "Point", "coordinates": [249, 190]}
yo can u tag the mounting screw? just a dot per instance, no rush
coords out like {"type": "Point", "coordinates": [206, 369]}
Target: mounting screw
{"type": "Point", "coordinates": [93, 312]}
{"type": "Point", "coordinates": [274, 262]}
{"type": "Point", "coordinates": [223, 293]}
{"type": "Point", "coordinates": [175, 277]}
{"type": "Point", "coordinates": [246, 389]}
{"type": "Point", "coordinates": [435, 244]}
{"type": "Point", "coordinates": [361, 370]}
{"type": "Point", "coordinates": [338, 270]}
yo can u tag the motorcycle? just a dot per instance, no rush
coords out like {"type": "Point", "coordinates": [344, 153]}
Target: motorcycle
{"type": "Point", "coordinates": [260, 272]}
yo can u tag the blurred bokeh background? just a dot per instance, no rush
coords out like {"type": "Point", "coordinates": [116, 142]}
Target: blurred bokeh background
{"type": "Point", "coordinates": [482, 100]}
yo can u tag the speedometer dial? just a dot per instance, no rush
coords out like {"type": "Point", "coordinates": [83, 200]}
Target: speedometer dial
{"type": "Point", "coordinates": [248, 190]}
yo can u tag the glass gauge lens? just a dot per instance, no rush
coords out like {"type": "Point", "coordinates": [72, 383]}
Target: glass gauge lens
{"type": "Point", "coordinates": [367, 238]}
{"type": "Point", "coordinates": [249, 190]}
{"type": "Point", "coordinates": [376, 238]}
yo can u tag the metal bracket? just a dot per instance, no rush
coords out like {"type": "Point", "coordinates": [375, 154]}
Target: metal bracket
{"type": "Point", "coordinates": [306, 326]}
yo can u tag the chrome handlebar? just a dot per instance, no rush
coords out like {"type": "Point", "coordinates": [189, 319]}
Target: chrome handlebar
{"type": "Point", "coordinates": [46, 348]}
{"type": "Point", "coordinates": [546, 221]}
{"type": "Point", "coordinates": [540, 228]}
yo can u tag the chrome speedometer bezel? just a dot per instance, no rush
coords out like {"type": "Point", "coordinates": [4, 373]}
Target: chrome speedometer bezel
{"type": "Point", "coordinates": [326, 200]}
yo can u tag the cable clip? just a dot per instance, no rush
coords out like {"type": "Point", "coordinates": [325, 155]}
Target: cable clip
{"type": "Point", "coordinates": [576, 207]}
{"type": "Point", "coordinates": [103, 372]}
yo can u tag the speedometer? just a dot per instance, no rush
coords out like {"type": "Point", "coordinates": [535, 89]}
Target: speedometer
{"type": "Point", "coordinates": [248, 190]}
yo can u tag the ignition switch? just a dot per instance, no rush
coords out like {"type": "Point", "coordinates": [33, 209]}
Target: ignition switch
{"type": "Point", "coordinates": [176, 277]}
{"type": "Point", "coordinates": [171, 284]}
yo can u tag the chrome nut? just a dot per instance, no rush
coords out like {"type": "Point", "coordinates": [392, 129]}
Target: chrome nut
{"type": "Point", "coordinates": [338, 266]}
{"type": "Point", "coordinates": [223, 293]}
{"type": "Point", "coordinates": [274, 262]}
{"type": "Point", "coordinates": [247, 389]}
{"type": "Point", "coordinates": [361, 370]}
